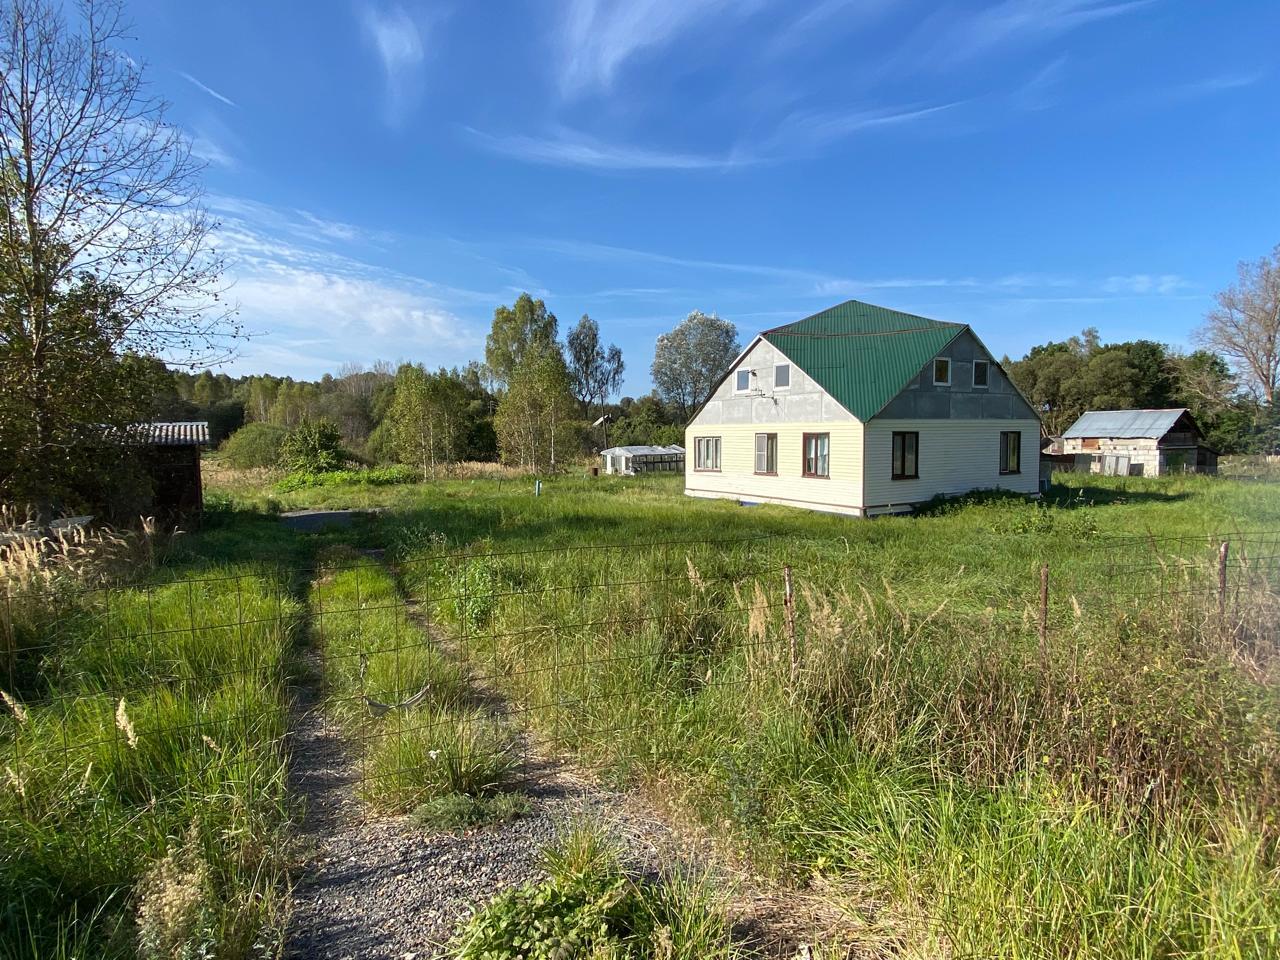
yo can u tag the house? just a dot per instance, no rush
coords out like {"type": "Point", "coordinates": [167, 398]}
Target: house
{"type": "Point", "coordinates": [1138, 443]}
{"type": "Point", "coordinates": [642, 459]}
{"type": "Point", "coordinates": [862, 410]}
{"type": "Point", "coordinates": [171, 456]}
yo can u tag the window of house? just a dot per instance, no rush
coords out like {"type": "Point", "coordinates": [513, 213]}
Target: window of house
{"type": "Point", "coordinates": [782, 376]}
{"type": "Point", "coordinates": [766, 453]}
{"type": "Point", "coordinates": [706, 453]}
{"type": "Point", "coordinates": [817, 454]}
{"type": "Point", "coordinates": [906, 455]}
{"type": "Point", "coordinates": [1010, 451]}
{"type": "Point", "coordinates": [981, 373]}
{"type": "Point", "coordinates": [744, 380]}
{"type": "Point", "coordinates": [942, 372]}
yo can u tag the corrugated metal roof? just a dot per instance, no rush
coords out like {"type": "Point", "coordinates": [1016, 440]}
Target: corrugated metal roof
{"type": "Point", "coordinates": [1125, 424]}
{"type": "Point", "coordinates": [171, 433]}
{"type": "Point", "coordinates": [862, 354]}
{"type": "Point", "coordinates": [643, 450]}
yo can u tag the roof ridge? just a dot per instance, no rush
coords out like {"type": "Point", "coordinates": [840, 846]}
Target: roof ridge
{"type": "Point", "coordinates": [933, 325]}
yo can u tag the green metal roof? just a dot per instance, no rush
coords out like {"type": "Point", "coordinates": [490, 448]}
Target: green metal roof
{"type": "Point", "coordinates": [861, 354]}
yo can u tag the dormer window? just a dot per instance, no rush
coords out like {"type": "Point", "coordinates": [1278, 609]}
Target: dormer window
{"type": "Point", "coordinates": [942, 372]}
{"type": "Point", "coordinates": [981, 373]}
{"type": "Point", "coordinates": [744, 381]}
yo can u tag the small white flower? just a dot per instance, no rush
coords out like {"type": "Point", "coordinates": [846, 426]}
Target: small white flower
{"type": "Point", "coordinates": [433, 754]}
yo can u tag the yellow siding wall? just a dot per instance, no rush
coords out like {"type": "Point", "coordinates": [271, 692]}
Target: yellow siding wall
{"type": "Point", "coordinates": [956, 456]}
{"type": "Point", "coordinates": [840, 493]}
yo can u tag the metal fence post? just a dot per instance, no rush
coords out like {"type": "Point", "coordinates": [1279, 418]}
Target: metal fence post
{"type": "Point", "coordinates": [1044, 617]}
{"type": "Point", "coordinates": [789, 612]}
{"type": "Point", "coordinates": [1223, 552]}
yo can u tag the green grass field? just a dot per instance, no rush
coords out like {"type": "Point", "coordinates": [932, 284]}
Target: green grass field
{"type": "Point", "coordinates": [955, 786]}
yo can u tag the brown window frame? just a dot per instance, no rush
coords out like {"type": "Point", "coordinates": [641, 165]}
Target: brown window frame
{"type": "Point", "coordinates": [697, 441]}
{"type": "Point", "coordinates": [755, 453]}
{"type": "Point", "coordinates": [894, 474]}
{"type": "Point", "coordinates": [804, 456]}
{"type": "Point", "coordinates": [1005, 435]}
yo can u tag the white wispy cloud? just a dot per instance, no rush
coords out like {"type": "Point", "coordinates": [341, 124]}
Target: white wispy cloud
{"type": "Point", "coordinates": [799, 134]}
{"type": "Point", "coordinates": [826, 20]}
{"type": "Point", "coordinates": [948, 37]}
{"type": "Point", "coordinates": [597, 37]}
{"type": "Point", "coordinates": [569, 148]}
{"type": "Point", "coordinates": [206, 88]}
{"type": "Point", "coordinates": [1209, 86]}
{"type": "Point", "coordinates": [1146, 283]}
{"type": "Point", "coordinates": [1039, 92]}
{"type": "Point", "coordinates": [397, 40]}
{"type": "Point", "coordinates": [211, 152]}
{"type": "Point", "coordinates": [311, 306]}
{"type": "Point", "coordinates": [809, 129]}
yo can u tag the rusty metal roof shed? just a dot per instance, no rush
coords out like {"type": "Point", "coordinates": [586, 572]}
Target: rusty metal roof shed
{"type": "Point", "coordinates": [1124, 424]}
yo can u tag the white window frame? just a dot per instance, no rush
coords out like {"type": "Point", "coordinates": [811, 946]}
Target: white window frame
{"type": "Point", "coordinates": [985, 364]}
{"type": "Point", "coordinates": [738, 374]}
{"type": "Point", "coordinates": [776, 368]}
{"type": "Point", "coordinates": [936, 381]}
{"type": "Point", "coordinates": [769, 452]}
{"type": "Point", "coordinates": [706, 454]}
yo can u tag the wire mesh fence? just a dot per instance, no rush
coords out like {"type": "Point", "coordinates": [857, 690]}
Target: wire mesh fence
{"type": "Point", "coordinates": [458, 653]}
{"type": "Point", "coordinates": [440, 672]}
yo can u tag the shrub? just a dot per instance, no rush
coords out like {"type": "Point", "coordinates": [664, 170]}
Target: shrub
{"type": "Point", "coordinates": [377, 477]}
{"type": "Point", "coordinates": [254, 445]}
{"type": "Point", "coordinates": [462, 811]}
{"type": "Point", "coordinates": [590, 908]}
{"type": "Point", "coordinates": [440, 754]}
{"type": "Point", "coordinates": [314, 446]}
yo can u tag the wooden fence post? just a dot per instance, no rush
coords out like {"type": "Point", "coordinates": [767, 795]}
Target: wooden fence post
{"type": "Point", "coordinates": [1044, 617]}
{"type": "Point", "coordinates": [1223, 552]}
{"type": "Point", "coordinates": [789, 615]}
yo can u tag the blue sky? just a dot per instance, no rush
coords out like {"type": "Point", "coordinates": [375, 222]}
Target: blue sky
{"type": "Point", "coordinates": [387, 173]}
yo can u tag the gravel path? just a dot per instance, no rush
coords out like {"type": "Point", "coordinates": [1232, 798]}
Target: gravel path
{"type": "Point", "coordinates": [385, 887]}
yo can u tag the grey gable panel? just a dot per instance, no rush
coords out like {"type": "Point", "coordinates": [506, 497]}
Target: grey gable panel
{"type": "Point", "coordinates": [921, 399]}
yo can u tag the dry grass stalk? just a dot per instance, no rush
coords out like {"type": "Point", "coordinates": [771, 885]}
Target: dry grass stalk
{"type": "Point", "coordinates": [126, 725]}
{"type": "Point", "coordinates": [19, 711]}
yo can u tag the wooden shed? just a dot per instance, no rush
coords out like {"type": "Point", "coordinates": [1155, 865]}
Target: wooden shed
{"type": "Point", "coordinates": [171, 456]}
{"type": "Point", "coordinates": [1139, 443]}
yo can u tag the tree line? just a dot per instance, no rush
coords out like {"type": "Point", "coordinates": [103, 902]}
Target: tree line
{"type": "Point", "coordinates": [537, 401]}
{"type": "Point", "coordinates": [1229, 383]}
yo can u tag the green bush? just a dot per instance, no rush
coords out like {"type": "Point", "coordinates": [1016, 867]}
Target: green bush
{"type": "Point", "coordinates": [377, 477]}
{"type": "Point", "coordinates": [255, 445]}
{"type": "Point", "coordinates": [314, 446]}
{"type": "Point", "coordinates": [590, 908]}
{"type": "Point", "coordinates": [462, 811]}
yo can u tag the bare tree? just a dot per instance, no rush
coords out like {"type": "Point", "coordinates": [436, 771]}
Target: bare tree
{"type": "Point", "coordinates": [1245, 325]}
{"type": "Point", "coordinates": [104, 247]}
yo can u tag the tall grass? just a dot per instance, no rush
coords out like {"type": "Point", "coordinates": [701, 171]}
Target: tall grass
{"type": "Point", "coordinates": [405, 702]}
{"type": "Point", "coordinates": [1111, 793]}
{"type": "Point", "coordinates": [144, 792]}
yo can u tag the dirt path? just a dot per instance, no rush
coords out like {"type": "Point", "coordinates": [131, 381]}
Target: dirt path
{"type": "Point", "coordinates": [387, 887]}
